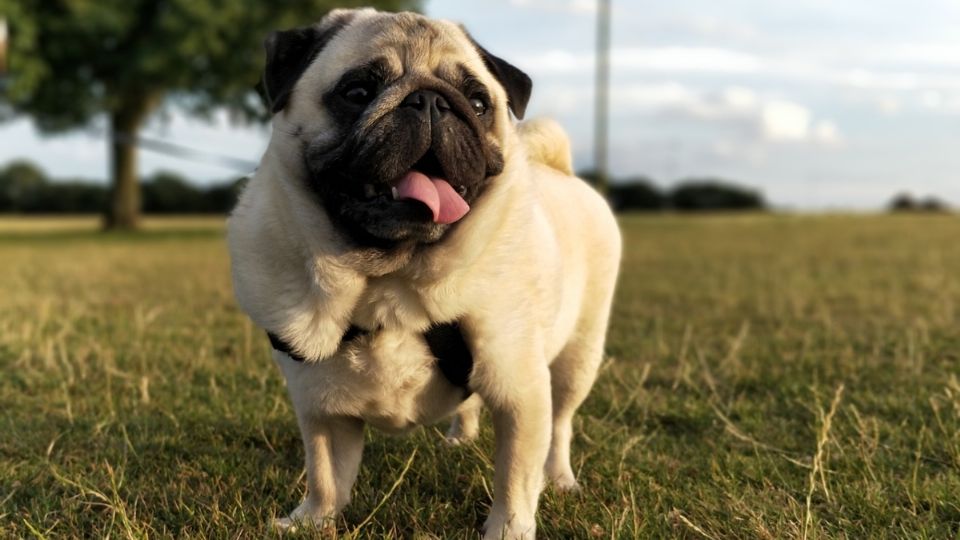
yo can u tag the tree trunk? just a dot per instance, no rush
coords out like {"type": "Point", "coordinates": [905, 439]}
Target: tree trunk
{"type": "Point", "coordinates": [123, 211]}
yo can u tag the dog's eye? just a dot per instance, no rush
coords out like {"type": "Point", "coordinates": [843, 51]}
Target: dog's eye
{"type": "Point", "coordinates": [479, 105]}
{"type": "Point", "coordinates": [358, 93]}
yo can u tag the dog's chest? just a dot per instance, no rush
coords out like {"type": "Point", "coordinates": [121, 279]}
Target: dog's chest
{"type": "Point", "coordinates": [392, 302]}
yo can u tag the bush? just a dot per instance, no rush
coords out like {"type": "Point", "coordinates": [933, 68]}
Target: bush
{"type": "Point", "coordinates": [701, 195]}
{"type": "Point", "coordinates": [636, 194]}
{"type": "Point", "coordinates": [904, 202]}
{"type": "Point", "coordinates": [935, 205]}
{"type": "Point", "coordinates": [24, 188]}
{"type": "Point", "coordinates": [66, 197]}
{"type": "Point", "coordinates": [169, 193]}
{"type": "Point", "coordinates": [20, 182]}
{"type": "Point", "coordinates": [221, 198]}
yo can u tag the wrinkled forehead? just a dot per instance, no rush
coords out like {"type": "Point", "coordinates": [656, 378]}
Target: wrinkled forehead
{"type": "Point", "coordinates": [405, 43]}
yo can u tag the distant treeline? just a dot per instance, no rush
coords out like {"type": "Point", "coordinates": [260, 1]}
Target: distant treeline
{"type": "Point", "coordinates": [905, 202]}
{"type": "Point", "coordinates": [690, 195]}
{"type": "Point", "coordinates": [24, 188]}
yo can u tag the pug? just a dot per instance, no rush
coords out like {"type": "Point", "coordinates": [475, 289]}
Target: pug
{"type": "Point", "coordinates": [413, 253]}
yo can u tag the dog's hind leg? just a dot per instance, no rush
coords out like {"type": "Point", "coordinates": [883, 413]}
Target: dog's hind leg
{"type": "Point", "coordinates": [572, 375]}
{"type": "Point", "coordinates": [466, 422]}
{"type": "Point", "coordinates": [333, 448]}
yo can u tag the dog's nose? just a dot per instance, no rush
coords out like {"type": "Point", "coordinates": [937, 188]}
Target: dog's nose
{"type": "Point", "coordinates": [426, 100]}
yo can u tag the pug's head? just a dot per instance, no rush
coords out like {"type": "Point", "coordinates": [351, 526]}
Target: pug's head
{"type": "Point", "coordinates": [400, 120]}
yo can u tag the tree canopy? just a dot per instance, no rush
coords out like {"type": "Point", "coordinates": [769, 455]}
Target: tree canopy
{"type": "Point", "coordinates": [73, 59]}
{"type": "Point", "coordinates": [74, 62]}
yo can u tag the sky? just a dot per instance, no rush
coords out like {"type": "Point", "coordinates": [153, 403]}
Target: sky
{"type": "Point", "coordinates": [820, 104]}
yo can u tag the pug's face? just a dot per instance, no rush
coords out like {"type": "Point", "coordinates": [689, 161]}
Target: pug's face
{"type": "Point", "coordinates": [400, 120]}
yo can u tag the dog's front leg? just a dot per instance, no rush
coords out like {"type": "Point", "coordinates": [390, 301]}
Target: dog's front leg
{"type": "Point", "coordinates": [333, 448]}
{"type": "Point", "coordinates": [466, 423]}
{"type": "Point", "coordinates": [518, 394]}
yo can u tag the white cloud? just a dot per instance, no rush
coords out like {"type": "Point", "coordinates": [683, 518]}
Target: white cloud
{"type": "Point", "coordinates": [729, 103]}
{"type": "Point", "coordinates": [784, 121]}
{"type": "Point", "coordinates": [771, 119]}
{"type": "Point", "coordinates": [826, 132]}
{"type": "Point", "coordinates": [646, 59]}
{"type": "Point", "coordinates": [713, 26]}
{"type": "Point", "coordinates": [740, 98]}
{"type": "Point", "coordinates": [655, 96]}
{"type": "Point", "coordinates": [931, 99]}
{"type": "Point", "coordinates": [685, 59]}
{"type": "Point", "coordinates": [583, 6]}
{"type": "Point", "coordinates": [834, 68]}
{"type": "Point", "coordinates": [888, 104]}
{"type": "Point", "coordinates": [556, 60]}
{"type": "Point", "coordinates": [737, 150]}
{"type": "Point", "coordinates": [945, 102]}
{"type": "Point", "coordinates": [570, 6]}
{"type": "Point", "coordinates": [924, 54]}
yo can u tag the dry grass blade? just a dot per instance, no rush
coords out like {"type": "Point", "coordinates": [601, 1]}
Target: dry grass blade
{"type": "Point", "coordinates": [823, 436]}
{"type": "Point", "coordinates": [677, 515]}
{"type": "Point", "coordinates": [386, 496]}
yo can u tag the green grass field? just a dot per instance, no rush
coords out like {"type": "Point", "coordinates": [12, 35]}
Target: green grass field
{"type": "Point", "coordinates": [769, 377]}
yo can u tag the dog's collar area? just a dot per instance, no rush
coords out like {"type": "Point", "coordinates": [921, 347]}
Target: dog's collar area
{"type": "Point", "coordinates": [446, 343]}
{"type": "Point", "coordinates": [282, 346]}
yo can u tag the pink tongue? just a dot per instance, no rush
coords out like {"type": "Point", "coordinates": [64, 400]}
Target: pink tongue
{"type": "Point", "coordinates": [446, 205]}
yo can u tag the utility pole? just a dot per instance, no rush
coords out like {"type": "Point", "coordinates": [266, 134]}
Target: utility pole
{"type": "Point", "coordinates": [602, 90]}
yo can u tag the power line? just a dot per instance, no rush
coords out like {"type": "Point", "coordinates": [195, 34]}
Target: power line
{"type": "Point", "coordinates": [178, 151]}
{"type": "Point", "coordinates": [191, 154]}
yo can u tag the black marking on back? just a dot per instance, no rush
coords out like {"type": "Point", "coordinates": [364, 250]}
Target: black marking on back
{"type": "Point", "coordinates": [449, 347]}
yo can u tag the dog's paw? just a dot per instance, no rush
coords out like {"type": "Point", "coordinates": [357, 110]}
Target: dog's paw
{"type": "Point", "coordinates": [289, 525]}
{"type": "Point", "coordinates": [305, 516]}
{"type": "Point", "coordinates": [499, 527]}
{"type": "Point", "coordinates": [457, 440]}
{"type": "Point", "coordinates": [285, 525]}
{"type": "Point", "coordinates": [457, 436]}
{"type": "Point", "coordinates": [565, 483]}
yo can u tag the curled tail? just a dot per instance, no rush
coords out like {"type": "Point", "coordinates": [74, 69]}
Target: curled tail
{"type": "Point", "coordinates": [547, 143]}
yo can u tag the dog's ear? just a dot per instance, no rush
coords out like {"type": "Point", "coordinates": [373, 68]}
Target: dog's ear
{"type": "Point", "coordinates": [516, 83]}
{"type": "Point", "coordinates": [290, 52]}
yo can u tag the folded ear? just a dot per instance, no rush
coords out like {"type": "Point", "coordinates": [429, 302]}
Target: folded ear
{"type": "Point", "coordinates": [516, 83]}
{"type": "Point", "coordinates": [290, 52]}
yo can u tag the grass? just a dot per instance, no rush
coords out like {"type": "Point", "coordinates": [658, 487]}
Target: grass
{"type": "Point", "coordinates": [769, 377]}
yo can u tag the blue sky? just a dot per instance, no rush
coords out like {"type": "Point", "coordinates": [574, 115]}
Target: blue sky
{"type": "Point", "coordinates": [821, 103]}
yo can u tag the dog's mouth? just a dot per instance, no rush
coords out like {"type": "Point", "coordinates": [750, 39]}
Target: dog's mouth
{"type": "Point", "coordinates": [425, 185]}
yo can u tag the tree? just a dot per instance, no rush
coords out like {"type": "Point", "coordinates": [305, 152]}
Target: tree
{"type": "Point", "coordinates": [72, 62]}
